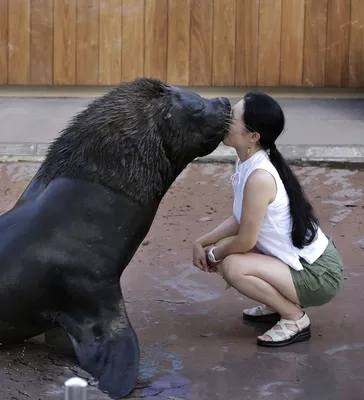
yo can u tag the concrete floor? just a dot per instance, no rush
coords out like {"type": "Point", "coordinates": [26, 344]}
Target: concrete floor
{"type": "Point", "coordinates": [194, 343]}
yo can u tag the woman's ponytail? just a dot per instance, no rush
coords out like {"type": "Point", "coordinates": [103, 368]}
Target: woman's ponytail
{"type": "Point", "coordinates": [304, 227]}
{"type": "Point", "coordinates": [262, 114]}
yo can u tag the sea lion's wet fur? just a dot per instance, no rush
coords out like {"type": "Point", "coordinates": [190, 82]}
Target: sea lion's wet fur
{"type": "Point", "coordinates": [134, 126]}
{"type": "Point", "coordinates": [66, 242]}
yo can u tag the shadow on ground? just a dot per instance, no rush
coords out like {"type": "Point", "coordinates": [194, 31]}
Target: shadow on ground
{"type": "Point", "coordinates": [194, 343]}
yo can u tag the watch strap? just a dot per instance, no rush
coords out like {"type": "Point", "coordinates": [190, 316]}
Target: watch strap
{"type": "Point", "coordinates": [212, 255]}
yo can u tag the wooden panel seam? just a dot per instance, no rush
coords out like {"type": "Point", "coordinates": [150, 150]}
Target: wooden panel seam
{"type": "Point", "coordinates": [41, 42]}
{"type": "Point", "coordinates": [315, 43]}
{"type": "Point", "coordinates": [133, 39]}
{"type": "Point", "coordinates": [269, 64]}
{"type": "Point", "coordinates": [19, 42]}
{"type": "Point", "coordinates": [338, 40]}
{"type": "Point", "coordinates": [200, 63]}
{"type": "Point", "coordinates": [292, 42]}
{"type": "Point", "coordinates": [4, 40]}
{"type": "Point", "coordinates": [64, 53]}
{"type": "Point", "coordinates": [356, 46]}
{"type": "Point", "coordinates": [224, 42]}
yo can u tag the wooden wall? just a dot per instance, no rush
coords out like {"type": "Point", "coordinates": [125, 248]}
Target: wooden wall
{"type": "Point", "coordinates": [311, 43]}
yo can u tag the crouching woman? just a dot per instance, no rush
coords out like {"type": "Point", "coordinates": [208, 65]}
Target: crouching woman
{"type": "Point", "coordinates": [272, 248]}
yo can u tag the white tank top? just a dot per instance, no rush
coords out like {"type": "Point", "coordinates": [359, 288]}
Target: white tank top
{"type": "Point", "coordinates": [274, 236]}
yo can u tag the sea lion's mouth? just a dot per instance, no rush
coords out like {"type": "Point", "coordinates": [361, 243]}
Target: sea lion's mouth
{"type": "Point", "coordinates": [229, 114]}
{"type": "Point", "coordinates": [228, 120]}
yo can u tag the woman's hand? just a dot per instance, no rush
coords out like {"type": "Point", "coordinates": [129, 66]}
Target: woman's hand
{"type": "Point", "coordinates": [199, 257]}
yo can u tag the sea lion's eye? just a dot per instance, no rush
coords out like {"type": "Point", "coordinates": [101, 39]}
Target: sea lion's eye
{"type": "Point", "coordinates": [198, 109]}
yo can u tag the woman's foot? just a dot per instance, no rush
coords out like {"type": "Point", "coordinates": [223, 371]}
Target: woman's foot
{"type": "Point", "coordinates": [261, 313]}
{"type": "Point", "coordinates": [287, 332]}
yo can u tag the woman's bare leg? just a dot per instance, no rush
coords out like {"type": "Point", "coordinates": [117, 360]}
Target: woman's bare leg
{"type": "Point", "coordinates": [264, 279]}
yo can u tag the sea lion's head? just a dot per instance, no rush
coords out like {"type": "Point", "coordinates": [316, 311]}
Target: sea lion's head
{"type": "Point", "coordinates": [196, 125]}
{"type": "Point", "coordinates": [137, 137]}
{"type": "Point", "coordinates": [178, 122]}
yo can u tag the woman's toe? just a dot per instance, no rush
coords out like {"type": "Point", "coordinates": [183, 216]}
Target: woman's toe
{"type": "Point", "coordinates": [265, 338]}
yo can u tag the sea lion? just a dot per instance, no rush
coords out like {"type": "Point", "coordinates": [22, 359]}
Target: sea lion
{"type": "Point", "coordinates": [67, 240]}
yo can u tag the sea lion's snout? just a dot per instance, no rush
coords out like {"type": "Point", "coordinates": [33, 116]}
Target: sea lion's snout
{"type": "Point", "coordinates": [219, 114]}
{"type": "Point", "coordinates": [226, 102]}
{"type": "Point", "coordinates": [222, 107]}
{"type": "Point", "coordinates": [227, 107]}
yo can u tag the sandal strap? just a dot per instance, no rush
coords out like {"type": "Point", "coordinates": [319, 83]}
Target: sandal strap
{"type": "Point", "coordinates": [259, 310]}
{"type": "Point", "coordinates": [276, 334]}
{"type": "Point", "coordinates": [301, 323]}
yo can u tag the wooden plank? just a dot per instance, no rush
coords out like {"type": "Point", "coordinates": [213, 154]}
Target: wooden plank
{"type": "Point", "coordinates": [293, 23]}
{"type": "Point", "coordinates": [133, 39]}
{"type": "Point", "coordinates": [246, 53]}
{"type": "Point", "coordinates": [269, 52]}
{"type": "Point", "coordinates": [41, 42]}
{"type": "Point", "coordinates": [224, 34]}
{"type": "Point", "coordinates": [202, 12]}
{"type": "Point", "coordinates": [19, 42]}
{"type": "Point", "coordinates": [356, 51]}
{"type": "Point", "coordinates": [64, 57]}
{"type": "Point", "coordinates": [110, 42]}
{"type": "Point", "coordinates": [3, 42]}
{"type": "Point", "coordinates": [87, 42]}
{"type": "Point", "coordinates": [156, 27]}
{"type": "Point", "coordinates": [337, 51]}
{"type": "Point", "coordinates": [314, 54]}
{"type": "Point", "coordinates": [179, 25]}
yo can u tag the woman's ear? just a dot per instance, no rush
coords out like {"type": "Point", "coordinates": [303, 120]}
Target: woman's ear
{"type": "Point", "coordinates": [255, 137]}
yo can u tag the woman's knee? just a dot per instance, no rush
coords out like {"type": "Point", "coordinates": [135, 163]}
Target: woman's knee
{"type": "Point", "coordinates": [232, 267]}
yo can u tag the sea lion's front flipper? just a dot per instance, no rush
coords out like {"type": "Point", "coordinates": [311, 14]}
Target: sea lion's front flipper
{"type": "Point", "coordinates": [105, 343]}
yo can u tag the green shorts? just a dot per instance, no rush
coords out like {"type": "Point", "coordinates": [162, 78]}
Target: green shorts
{"type": "Point", "coordinates": [320, 282]}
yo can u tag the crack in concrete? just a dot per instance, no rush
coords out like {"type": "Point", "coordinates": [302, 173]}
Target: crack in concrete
{"type": "Point", "coordinates": [23, 393]}
{"type": "Point", "coordinates": [142, 396]}
{"type": "Point", "coordinates": [63, 366]}
{"type": "Point", "coordinates": [27, 364]}
{"type": "Point", "coordinates": [170, 301]}
{"type": "Point", "coordinates": [90, 380]}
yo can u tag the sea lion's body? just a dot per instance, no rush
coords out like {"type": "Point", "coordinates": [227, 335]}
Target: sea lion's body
{"type": "Point", "coordinates": [66, 242]}
{"type": "Point", "coordinates": [101, 229]}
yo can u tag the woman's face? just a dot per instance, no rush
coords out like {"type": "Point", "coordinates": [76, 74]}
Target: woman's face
{"type": "Point", "coordinates": [238, 136]}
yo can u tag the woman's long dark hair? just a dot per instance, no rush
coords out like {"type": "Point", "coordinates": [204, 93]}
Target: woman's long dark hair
{"type": "Point", "coordinates": [264, 115]}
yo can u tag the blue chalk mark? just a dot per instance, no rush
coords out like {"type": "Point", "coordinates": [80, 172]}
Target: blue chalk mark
{"type": "Point", "coordinates": [177, 365]}
{"type": "Point", "coordinates": [148, 369]}
{"type": "Point", "coordinates": [170, 386]}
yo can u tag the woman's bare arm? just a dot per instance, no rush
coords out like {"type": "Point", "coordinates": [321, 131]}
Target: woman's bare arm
{"type": "Point", "coordinates": [229, 227]}
{"type": "Point", "coordinates": [260, 190]}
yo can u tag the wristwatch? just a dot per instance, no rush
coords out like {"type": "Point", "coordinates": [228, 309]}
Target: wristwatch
{"type": "Point", "coordinates": [211, 255]}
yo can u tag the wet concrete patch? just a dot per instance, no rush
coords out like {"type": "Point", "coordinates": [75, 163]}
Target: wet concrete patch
{"type": "Point", "coordinates": [194, 344]}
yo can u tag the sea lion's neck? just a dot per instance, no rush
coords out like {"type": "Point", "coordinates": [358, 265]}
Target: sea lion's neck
{"type": "Point", "coordinates": [142, 175]}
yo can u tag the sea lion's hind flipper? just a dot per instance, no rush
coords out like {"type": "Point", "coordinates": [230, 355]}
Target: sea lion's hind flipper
{"type": "Point", "coordinates": [113, 360]}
